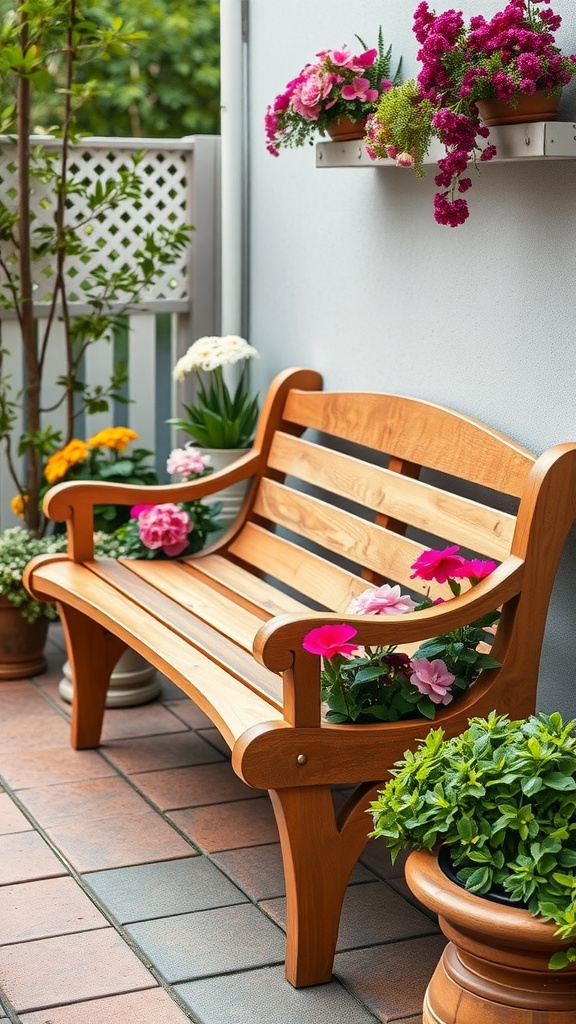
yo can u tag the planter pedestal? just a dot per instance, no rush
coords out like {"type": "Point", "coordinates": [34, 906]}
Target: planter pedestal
{"type": "Point", "coordinates": [494, 969]}
{"type": "Point", "coordinates": [132, 682]}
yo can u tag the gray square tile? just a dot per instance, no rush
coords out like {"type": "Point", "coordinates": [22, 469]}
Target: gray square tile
{"type": "Point", "coordinates": [372, 913]}
{"type": "Point", "coordinates": [264, 996]}
{"type": "Point", "coordinates": [391, 980]}
{"type": "Point", "coordinates": [258, 870]}
{"type": "Point", "coordinates": [162, 889]}
{"type": "Point", "coordinates": [209, 942]}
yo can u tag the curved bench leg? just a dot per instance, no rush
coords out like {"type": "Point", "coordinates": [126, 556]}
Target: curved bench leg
{"type": "Point", "coordinates": [319, 852]}
{"type": "Point", "coordinates": [92, 653]}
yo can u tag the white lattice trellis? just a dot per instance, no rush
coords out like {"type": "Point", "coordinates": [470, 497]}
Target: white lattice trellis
{"type": "Point", "coordinates": [165, 171]}
{"type": "Point", "coordinates": [181, 185]}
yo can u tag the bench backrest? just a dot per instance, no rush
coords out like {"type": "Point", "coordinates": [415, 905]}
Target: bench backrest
{"type": "Point", "coordinates": [368, 508]}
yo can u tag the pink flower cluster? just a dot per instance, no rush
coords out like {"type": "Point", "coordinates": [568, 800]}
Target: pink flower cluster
{"type": "Point", "coordinates": [338, 82]}
{"type": "Point", "coordinates": [511, 54]}
{"type": "Point", "coordinates": [431, 678]}
{"type": "Point", "coordinates": [163, 527]}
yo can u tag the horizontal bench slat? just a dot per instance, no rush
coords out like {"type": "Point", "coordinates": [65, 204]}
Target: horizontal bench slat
{"type": "Point", "coordinates": [218, 611]}
{"type": "Point", "coordinates": [347, 535]}
{"type": "Point", "coordinates": [417, 431]}
{"type": "Point", "coordinates": [252, 592]}
{"type": "Point", "coordinates": [484, 530]}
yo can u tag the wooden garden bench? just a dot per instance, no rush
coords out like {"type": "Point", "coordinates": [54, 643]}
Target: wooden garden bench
{"type": "Point", "coordinates": [325, 517]}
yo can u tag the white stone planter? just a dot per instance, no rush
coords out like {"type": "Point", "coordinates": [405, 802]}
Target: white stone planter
{"type": "Point", "coordinates": [133, 681]}
{"type": "Point", "coordinates": [231, 498]}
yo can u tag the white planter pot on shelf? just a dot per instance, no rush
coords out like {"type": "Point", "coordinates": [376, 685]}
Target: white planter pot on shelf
{"type": "Point", "coordinates": [231, 498]}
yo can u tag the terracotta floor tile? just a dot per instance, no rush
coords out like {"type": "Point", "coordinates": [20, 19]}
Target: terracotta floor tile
{"type": "Point", "coordinates": [52, 906]}
{"type": "Point", "coordinates": [193, 786]}
{"type": "Point", "coordinates": [70, 968]}
{"type": "Point", "coordinates": [146, 720]}
{"type": "Point", "coordinates": [91, 799]}
{"type": "Point", "coordinates": [391, 980]}
{"type": "Point", "coordinates": [24, 769]}
{"type": "Point", "coordinates": [11, 817]}
{"type": "Point", "coordinates": [152, 1006]}
{"type": "Point", "coordinates": [119, 841]}
{"type": "Point", "coordinates": [22, 702]}
{"type": "Point", "coordinates": [24, 856]}
{"type": "Point", "coordinates": [229, 826]}
{"type": "Point", "coordinates": [212, 736]}
{"type": "Point", "coordinates": [40, 732]}
{"type": "Point", "coordinates": [155, 752]}
{"type": "Point", "coordinates": [190, 713]}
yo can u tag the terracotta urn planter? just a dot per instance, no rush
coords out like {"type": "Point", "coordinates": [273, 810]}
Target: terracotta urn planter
{"type": "Point", "coordinates": [540, 106]}
{"type": "Point", "coordinates": [21, 643]}
{"type": "Point", "coordinates": [345, 130]}
{"type": "Point", "coordinates": [494, 969]}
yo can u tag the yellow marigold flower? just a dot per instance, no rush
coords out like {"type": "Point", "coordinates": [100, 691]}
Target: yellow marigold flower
{"type": "Point", "coordinates": [58, 464]}
{"type": "Point", "coordinates": [117, 438]}
{"type": "Point", "coordinates": [18, 505]}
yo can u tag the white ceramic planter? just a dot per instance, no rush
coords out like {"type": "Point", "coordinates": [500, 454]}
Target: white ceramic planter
{"type": "Point", "coordinates": [133, 681]}
{"type": "Point", "coordinates": [232, 497]}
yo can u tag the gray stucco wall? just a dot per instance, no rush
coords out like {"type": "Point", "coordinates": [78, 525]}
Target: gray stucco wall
{"type": "Point", "coordinates": [350, 274]}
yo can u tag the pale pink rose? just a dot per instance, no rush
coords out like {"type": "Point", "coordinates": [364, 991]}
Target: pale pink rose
{"type": "Point", "coordinates": [165, 526]}
{"type": "Point", "coordinates": [433, 679]}
{"type": "Point", "coordinates": [405, 160]}
{"type": "Point", "coordinates": [186, 462]}
{"type": "Point", "coordinates": [385, 600]}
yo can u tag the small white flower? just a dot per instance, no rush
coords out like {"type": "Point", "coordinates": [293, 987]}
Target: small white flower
{"type": "Point", "coordinates": [211, 352]}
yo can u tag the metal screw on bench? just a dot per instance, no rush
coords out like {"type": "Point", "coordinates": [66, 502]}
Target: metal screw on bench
{"type": "Point", "coordinates": [302, 759]}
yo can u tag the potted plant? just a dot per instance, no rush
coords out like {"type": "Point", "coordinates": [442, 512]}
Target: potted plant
{"type": "Point", "coordinates": [223, 417]}
{"type": "Point", "coordinates": [334, 94]}
{"type": "Point", "coordinates": [510, 59]}
{"type": "Point", "coordinates": [382, 684]}
{"type": "Point", "coordinates": [24, 621]}
{"type": "Point", "coordinates": [491, 814]}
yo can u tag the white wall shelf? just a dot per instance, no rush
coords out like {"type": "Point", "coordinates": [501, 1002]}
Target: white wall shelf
{"type": "Point", "coordinates": [540, 140]}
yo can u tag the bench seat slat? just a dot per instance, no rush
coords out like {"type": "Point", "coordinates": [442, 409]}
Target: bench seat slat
{"type": "Point", "coordinates": [251, 591]}
{"type": "Point", "coordinates": [234, 705]}
{"type": "Point", "coordinates": [218, 611]}
{"type": "Point", "coordinates": [421, 432]}
{"type": "Point", "coordinates": [106, 583]}
{"type": "Point", "coordinates": [341, 532]}
{"type": "Point", "coordinates": [484, 530]}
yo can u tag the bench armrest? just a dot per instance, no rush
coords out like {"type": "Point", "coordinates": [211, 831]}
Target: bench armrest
{"type": "Point", "coordinates": [74, 502]}
{"type": "Point", "coordinates": [278, 644]}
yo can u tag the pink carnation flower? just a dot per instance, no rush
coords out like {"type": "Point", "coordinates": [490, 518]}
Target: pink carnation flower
{"type": "Point", "coordinates": [433, 679]}
{"type": "Point", "coordinates": [385, 600]}
{"type": "Point", "coordinates": [330, 640]}
{"type": "Point", "coordinates": [165, 526]}
{"type": "Point", "coordinates": [186, 462]}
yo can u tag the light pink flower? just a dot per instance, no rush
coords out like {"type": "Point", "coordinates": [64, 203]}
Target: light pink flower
{"type": "Point", "coordinates": [165, 526]}
{"type": "Point", "coordinates": [186, 462]}
{"type": "Point", "coordinates": [439, 565]}
{"type": "Point", "coordinates": [433, 679]}
{"type": "Point", "coordinates": [330, 640]}
{"type": "Point", "coordinates": [405, 160]}
{"type": "Point", "coordinates": [385, 600]}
